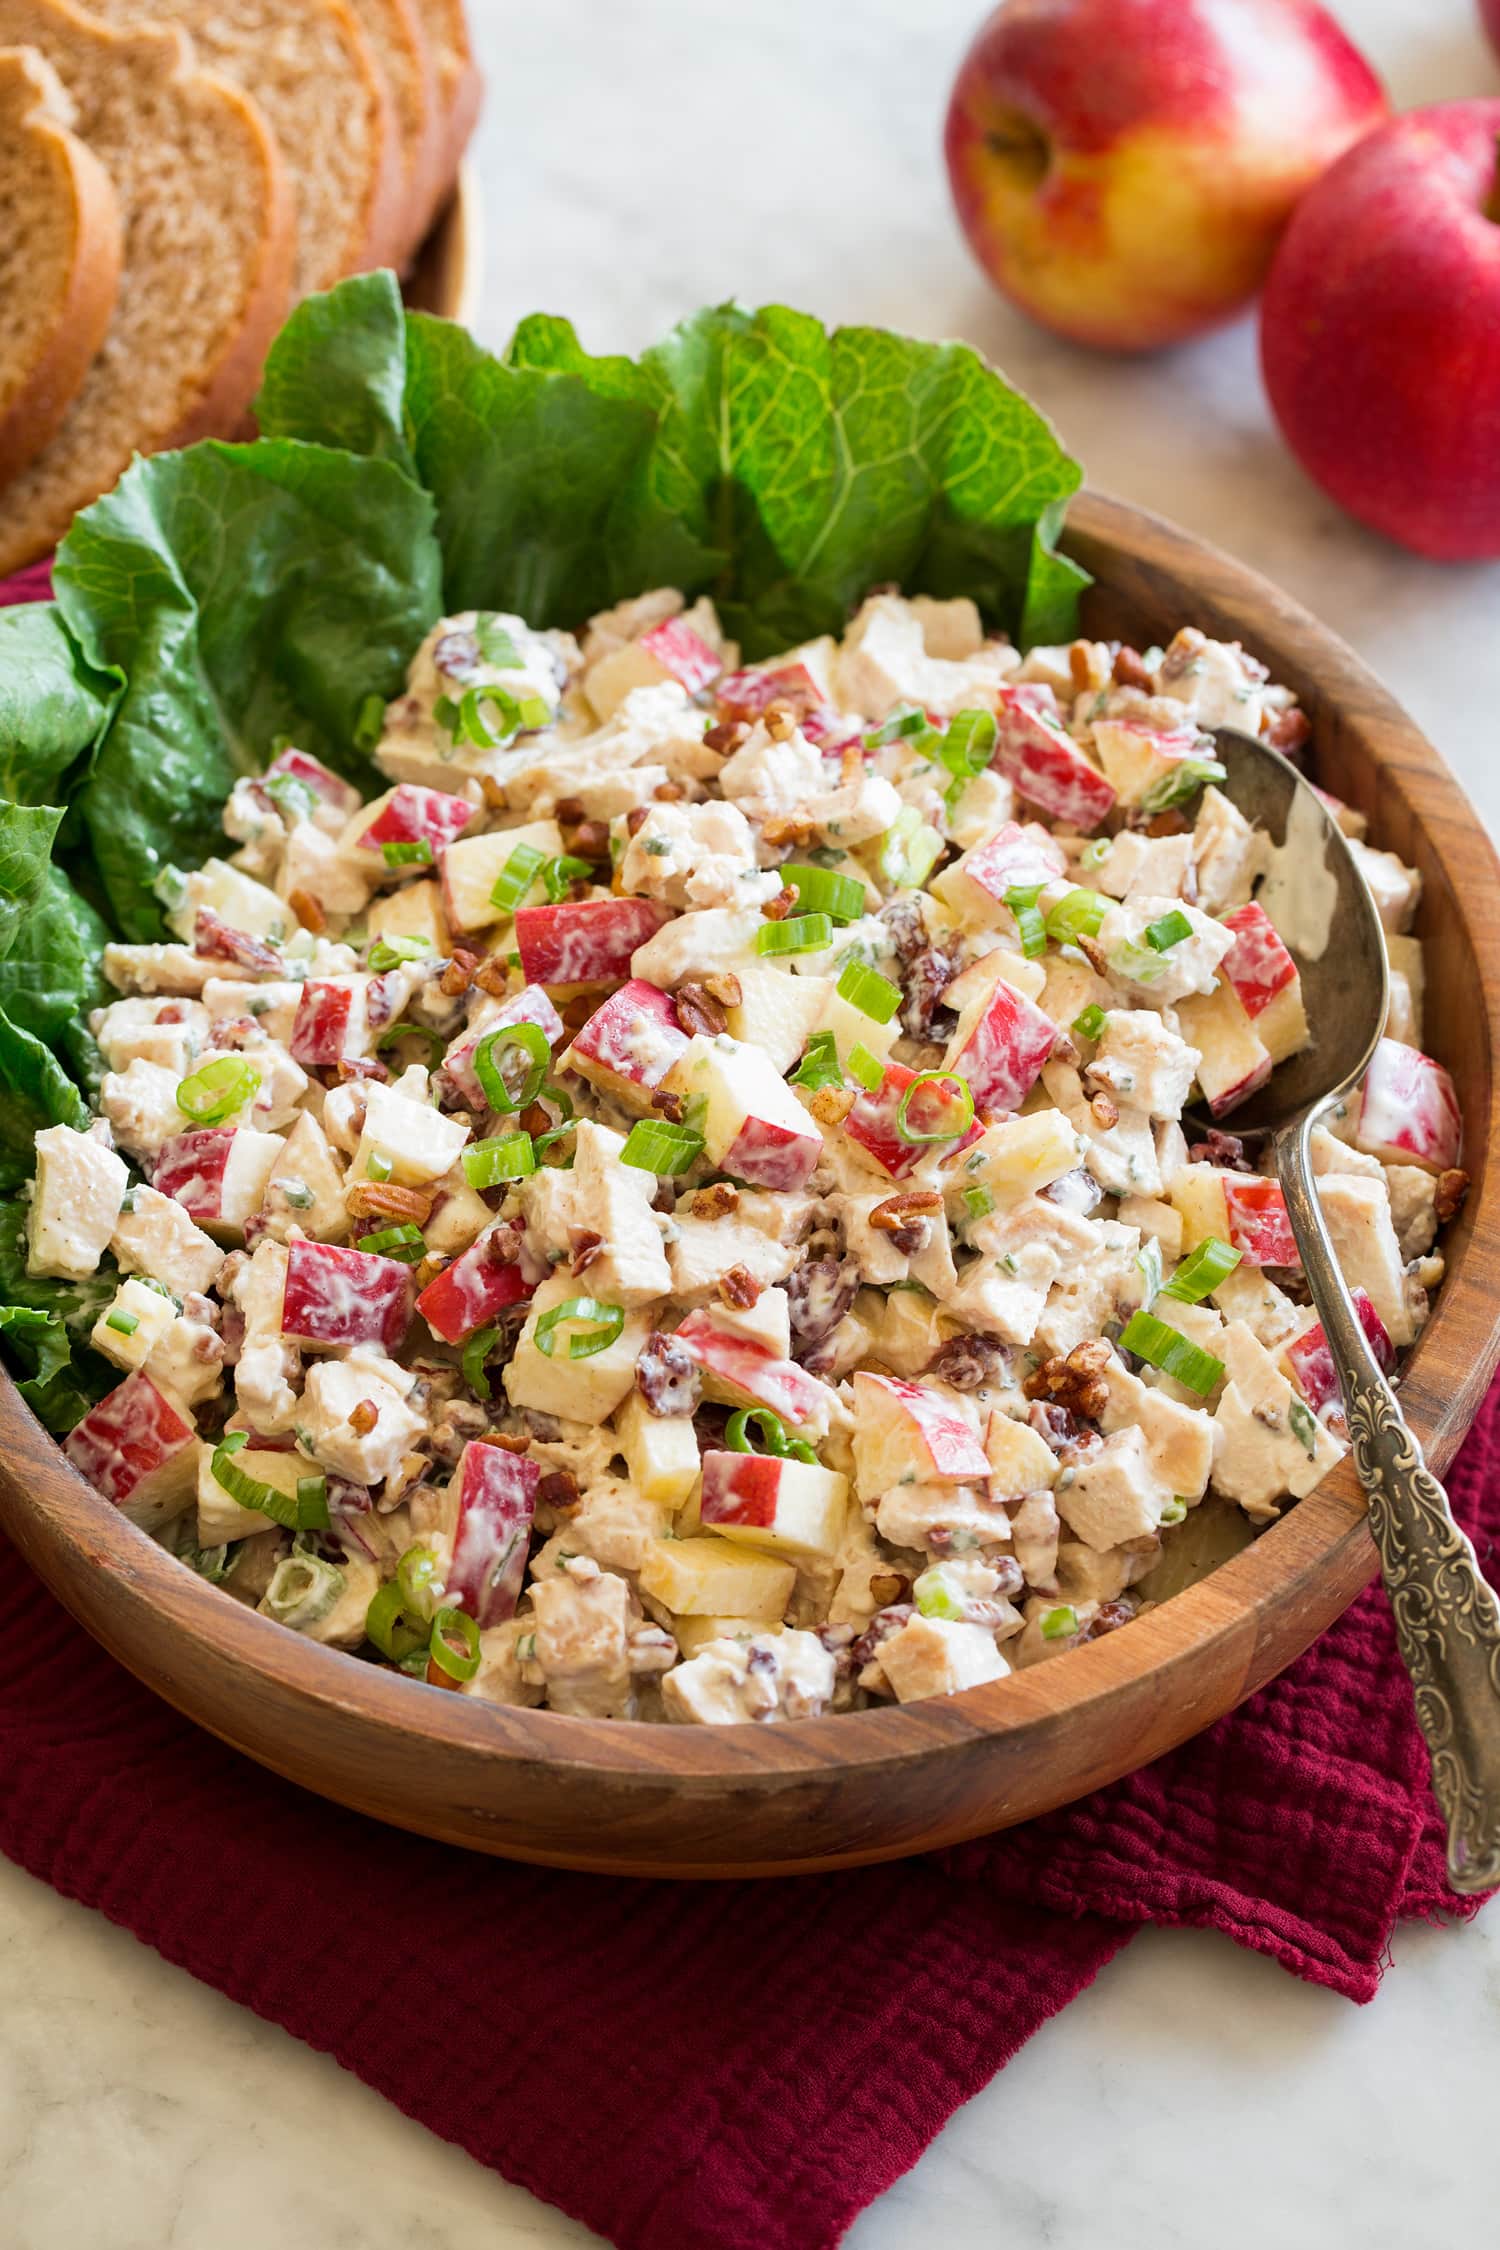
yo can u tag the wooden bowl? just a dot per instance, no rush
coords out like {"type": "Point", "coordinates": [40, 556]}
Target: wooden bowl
{"type": "Point", "coordinates": [448, 268]}
{"type": "Point", "coordinates": [874, 1784]}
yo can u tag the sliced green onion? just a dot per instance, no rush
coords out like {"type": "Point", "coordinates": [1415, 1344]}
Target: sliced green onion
{"type": "Point", "coordinates": [773, 1436]}
{"type": "Point", "coordinates": [1304, 1428]}
{"type": "Point", "coordinates": [458, 1664]}
{"type": "Point", "coordinates": [1169, 931]}
{"type": "Point", "coordinates": [419, 1581]}
{"type": "Point", "coordinates": [1090, 1021]}
{"type": "Point", "coordinates": [653, 1146]}
{"type": "Point", "coordinates": [395, 1032]}
{"type": "Point", "coordinates": [528, 1039]}
{"type": "Point", "coordinates": [417, 852]}
{"type": "Point", "coordinates": [393, 953]}
{"type": "Point", "coordinates": [936, 1596]}
{"type": "Point", "coordinates": [291, 797]}
{"type": "Point", "coordinates": [495, 644]}
{"type": "Point", "coordinates": [865, 1070]}
{"type": "Point", "coordinates": [302, 1591]}
{"type": "Point", "coordinates": [123, 1323]}
{"type": "Point", "coordinates": [820, 891]}
{"type": "Point", "coordinates": [1096, 853]}
{"type": "Point", "coordinates": [1174, 788]}
{"type": "Point", "coordinates": [1137, 964]}
{"type": "Point", "coordinates": [820, 1065]}
{"type": "Point", "coordinates": [866, 989]}
{"type": "Point", "coordinates": [966, 749]}
{"type": "Point", "coordinates": [1160, 1346]}
{"type": "Point", "coordinates": [910, 724]}
{"type": "Point", "coordinates": [475, 1352]}
{"type": "Point", "coordinates": [1027, 915]}
{"type": "Point", "coordinates": [1077, 915]}
{"type": "Point", "coordinates": [387, 1624]}
{"type": "Point", "coordinates": [1201, 1272]}
{"type": "Point", "coordinates": [370, 724]}
{"type": "Point", "coordinates": [1060, 1624]}
{"type": "Point", "coordinates": [600, 1325]}
{"type": "Point", "coordinates": [404, 1243]}
{"type": "Point", "coordinates": [307, 1512]}
{"type": "Point", "coordinates": [516, 877]}
{"type": "Point", "coordinates": [297, 1194]}
{"type": "Point", "coordinates": [978, 1202]}
{"type": "Point", "coordinates": [1175, 1512]}
{"type": "Point", "coordinates": [561, 873]}
{"type": "Point", "coordinates": [909, 851]}
{"type": "Point", "coordinates": [950, 1132]}
{"type": "Point", "coordinates": [218, 1090]}
{"type": "Point", "coordinates": [465, 718]}
{"type": "Point", "coordinates": [1148, 1258]}
{"type": "Point", "coordinates": [799, 933]}
{"type": "Point", "coordinates": [509, 1156]}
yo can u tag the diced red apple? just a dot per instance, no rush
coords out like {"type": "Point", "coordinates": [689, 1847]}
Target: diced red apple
{"type": "Point", "coordinates": [469, 1293]}
{"type": "Point", "coordinates": [746, 695]}
{"type": "Point", "coordinates": [331, 1024]}
{"type": "Point", "coordinates": [472, 867]}
{"type": "Point", "coordinates": [739, 1372]}
{"type": "Point", "coordinates": [530, 1005]}
{"type": "Point", "coordinates": [904, 1434]}
{"type": "Point", "coordinates": [339, 795]}
{"type": "Point", "coordinates": [1000, 1048]}
{"type": "Point", "coordinates": [585, 941]}
{"type": "Point", "coordinates": [754, 1127]}
{"type": "Point", "coordinates": [1265, 981]}
{"type": "Point", "coordinates": [218, 1174]}
{"type": "Point", "coordinates": [872, 1122]}
{"type": "Point", "coordinates": [1259, 1228]}
{"type": "Point", "coordinates": [336, 1296]}
{"type": "Point", "coordinates": [1408, 1111]}
{"type": "Point", "coordinates": [495, 1495]}
{"type": "Point", "coordinates": [629, 1044]}
{"type": "Point", "coordinates": [1310, 1357]}
{"type": "Point", "coordinates": [408, 814]}
{"type": "Point", "coordinates": [1047, 766]}
{"type": "Point", "coordinates": [139, 1451]}
{"type": "Point", "coordinates": [792, 1507]}
{"type": "Point", "coordinates": [1137, 757]}
{"type": "Point", "coordinates": [1015, 858]}
{"type": "Point", "coordinates": [1233, 1060]}
{"type": "Point", "coordinates": [682, 654]}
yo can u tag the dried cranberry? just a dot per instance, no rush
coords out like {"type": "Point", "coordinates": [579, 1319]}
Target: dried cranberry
{"type": "Point", "coordinates": [666, 1375]}
{"type": "Point", "coordinates": [818, 1295]}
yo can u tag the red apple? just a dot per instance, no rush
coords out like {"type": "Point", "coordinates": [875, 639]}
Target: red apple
{"type": "Point", "coordinates": [1014, 858]}
{"type": "Point", "coordinates": [741, 1372]}
{"type": "Point", "coordinates": [1001, 1051]}
{"type": "Point", "coordinates": [331, 1024]}
{"type": "Point", "coordinates": [1490, 12]}
{"type": "Point", "coordinates": [1310, 1357]}
{"type": "Point", "coordinates": [340, 796]}
{"type": "Point", "coordinates": [1265, 980]}
{"type": "Point", "coordinates": [792, 1507]}
{"type": "Point", "coordinates": [754, 1128]}
{"type": "Point", "coordinates": [338, 1296]}
{"type": "Point", "coordinates": [1380, 332]}
{"type": "Point", "coordinates": [218, 1174]}
{"type": "Point", "coordinates": [904, 1434]}
{"type": "Point", "coordinates": [1047, 766]}
{"type": "Point", "coordinates": [587, 941]}
{"type": "Point", "coordinates": [872, 1121]}
{"type": "Point", "coordinates": [494, 1495]}
{"type": "Point", "coordinates": [682, 654]}
{"type": "Point", "coordinates": [478, 1284]}
{"type": "Point", "coordinates": [746, 695]}
{"type": "Point", "coordinates": [138, 1450]}
{"type": "Point", "coordinates": [409, 815]}
{"type": "Point", "coordinates": [627, 1047]}
{"type": "Point", "coordinates": [1258, 1224]}
{"type": "Point", "coordinates": [1408, 1111]}
{"type": "Point", "coordinates": [530, 1005]}
{"type": "Point", "coordinates": [1123, 168]}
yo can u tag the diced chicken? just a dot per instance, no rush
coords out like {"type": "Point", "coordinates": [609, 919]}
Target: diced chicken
{"type": "Point", "coordinates": [334, 1419]}
{"type": "Point", "coordinates": [935, 1656]}
{"type": "Point", "coordinates": [598, 1219]}
{"type": "Point", "coordinates": [1395, 887]}
{"type": "Point", "coordinates": [1268, 1442]}
{"type": "Point", "coordinates": [75, 1204]}
{"type": "Point", "coordinates": [583, 1616]}
{"type": "Point", "coordinates": [154, 1236]}
{"type": "Point", "coordinates": [1172, 967]}
{"type": "Point", "coordinates": [885, 662]}
{"type": "Point", "coordinates": [1143, 1063]}
{"type": "Point", "coordinates": [141, 1105]}
{"type": "Point", "coordinates": [1358, 1214]}
{"type": "Point", "coordinates": [170, 1033]}
{"type": "Point", "coordinates": [1215, 680]}
{"type": "Point", "coordinates": [158, 968]}
{"type": "Point", "coordinates": [695, 855]}
{"type": "Point", "coordinates": [1227, 853]}
{"type": "Point", "coordinates": [770, 1677]}
{"type": "Point", "coordinates": [1114, 1493]}
{"type": "Point", "coordinates": [655, 723]}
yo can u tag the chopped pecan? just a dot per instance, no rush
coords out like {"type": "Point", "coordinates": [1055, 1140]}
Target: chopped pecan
{"type": "Point", "coordinates": [493, 792]}
{"type": "Point", "coordinates": [898, 1211]}
{"type": "Point", "coordinates": [1288, 731]}
{"type": "Point", "coordinates": [778, 908]}
{"type": "Point", "coordinates": [363, 1418]}
{"type": "Point", "coordinates": [779, 719]}
{"type": "Point", "coordinates": [370, 1199]}
{"type": "Point", "coordinates": [739, 1288]}
{"type": "Point", "coordinates": [1105, 1111]}
{"type": "Point", "coordinates": [1448, 1200]}
{"type": "Point", "coordinates": [1075, 1382]}
{"type": "Point", "coordinates": [1168, 823]}
{"type": "Point", "coordinates": [888, 1586]}
{"type": "Point", "coordinates": [666, 1375]}
{"type": "Point", "coordinates": [1093, 952]}
{"type": "Point", "coordinates": [491, 977]}
{"type": "Point", "coordinates": [308, 911]}
{"type": "Point", "coordinates": [509, 1441]}
{"type": "Point", "coordinates": [568, 812]}
{"type": "Point", "coordinates": [716, 1201]}
{"type": "Point", "coordinates": [830, 1105]}
{"type": "Point", "coordinates": [218, 941]}
{"type": "Point", "coordinates": [668, 1105]}
{"type": "Point", "coordinates": [636, 819]}
{"type": "Point", "coordinates": [458, 973]}
{"type": "Point", "coordinates": [575, 1013]}
{"type": "Point", "coordinates": [1129, 670]}
{"type": "Point", "coordinates": [852, 763]}
{"type": "Point", "coordinates": [788, 828]}
{"type": "Point", "coordinates": [586, 1248]}
{"type": "Point", "coordinates": [558, 1491]}
{"type": "Point", "coordinates": [359, 1066]}
{"type": "Point", "coordinates": [724, 986]}
{"type": "Point", "coordinates": [1081, 665]}
{"type": "Point", "coordinates": [726, 736]}
{"type": "Point", "coordinates": [967, 1362]}
{"type": "Point", "coordinates": [589, 840]}
{"type": "Point", "coordinates": [698, 1010]}
{"type": "Point", "coordinates": [669, 792]}
{"type": "Point", "coordinates": [1187, 646]}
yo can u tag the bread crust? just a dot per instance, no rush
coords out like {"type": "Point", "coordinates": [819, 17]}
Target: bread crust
{"type": "Point", "coordinates": [93, 279]}
{"type": "Point", "coordinates": [461, 89]}
{"type": "Point", "coordinates": [377, 238]}
{"type": "Point", "coordinates": [419, 116]}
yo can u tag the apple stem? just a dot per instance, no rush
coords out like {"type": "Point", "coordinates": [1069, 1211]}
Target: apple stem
{"type": "Point", "coordinates": [1491, 204]}
{"type": "Point", "coordinates": [1022, 145]}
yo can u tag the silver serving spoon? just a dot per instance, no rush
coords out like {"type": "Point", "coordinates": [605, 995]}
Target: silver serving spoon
{"type": "Point", "coordinates": [1447, 1617]}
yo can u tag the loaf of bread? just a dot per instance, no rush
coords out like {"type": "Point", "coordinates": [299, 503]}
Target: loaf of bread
{"type": "Point", "coordinates": [406, 58]}
{"type": "Point", "coordinates": [206, 277]}
{"type": "Point", "coordinates": [460, 86]}
{"type": "Point", "coordinates": [59, 256]}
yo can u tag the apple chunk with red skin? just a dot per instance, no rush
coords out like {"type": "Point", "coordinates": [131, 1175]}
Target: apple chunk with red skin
{"type": "Point", "coordinates": [792, 1507]}
{"type": "Point", "coordinates": [627, 1046]}
{"type": "Point", "coordinates": [332, 1021]}
{"type": "Point", "coordinates": [1408, 1110]}
{"type": "Point", "coordinates": [585, 941]}
{"type": "Point", "coordinates": [1310, 1356]}
{"type": "Point", "coordinates": [872, 1122]}
{"type": "Point", "coordinates": [139, 1450]}
{"type": "Point", "coordinates": [754, 1127]}
{"type": "Point", "coordinates": [1259, 1228]}
{"type": "Point", "coordinates": [737, 1371]}
{"type": "Point", "coordinates": [338, 795]}
{"type": "Point", "coordinates": [408, 814]}
{"type": "Point", "coordinates": [1265, 980]}
{"type": "Point", "coordinates": [904, 1434]}
{"type": "Point", "coordinates": [1014, 858]}
{"type": "Point", "coordinates": [748, 695]}
{"type": "Point", "coordinates": [335, 1296]}
{"type": "Point", "coordinates": [492, 1494]}
{"type": "Point", "coordinates": [1000, 1046]}
{"type": "Point", "coordinates": [1047, 766]}
{"type": "Point", "coordinates": [479, 1284]}
{"type": "Point", "coordinates": [218, 1174]}
{"type": "Point", "coordinates": [1233, 1060]}
{"type": "Point", "coordinates": [531, 1005]}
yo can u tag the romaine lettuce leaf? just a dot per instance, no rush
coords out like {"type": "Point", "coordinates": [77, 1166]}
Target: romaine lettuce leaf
{"type": "Point", "coordinates": [26, 837]}
{"type": "Point", "coordinates": [51, 707]}
{"type": "Point", "coordinates": [35, 1091]}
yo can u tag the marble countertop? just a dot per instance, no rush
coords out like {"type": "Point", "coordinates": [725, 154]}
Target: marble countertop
{"type": "Point", "coordinates": [638, 161]}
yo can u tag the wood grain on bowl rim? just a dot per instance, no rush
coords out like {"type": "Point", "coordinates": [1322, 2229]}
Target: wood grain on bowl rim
{"type": "Point", "coordinates": [869, 1785]}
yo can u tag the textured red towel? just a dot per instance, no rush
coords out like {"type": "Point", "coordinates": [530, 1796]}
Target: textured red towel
{"type": "Point", "coordinates": [720, 2066]}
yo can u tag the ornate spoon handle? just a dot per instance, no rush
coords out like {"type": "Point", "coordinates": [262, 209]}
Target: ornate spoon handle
{"type": "Point", "coordinates": [1447, 1617]}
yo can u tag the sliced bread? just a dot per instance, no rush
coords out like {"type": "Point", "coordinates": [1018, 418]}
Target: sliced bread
{"type": "Point", "coordinates": [460, 87]}
{"type": "Point", "coordinates": [311, 68]}
{"type": "Point", "coordinates": [400, 46]}
{"type": "Point", "coordinates": [207, 266]}
{"type": "Point", "coordinates": [59, 256]}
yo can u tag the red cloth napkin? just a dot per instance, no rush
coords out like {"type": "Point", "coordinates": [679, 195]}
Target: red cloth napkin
{"type": "Point", "coordinates": [720, 2066]}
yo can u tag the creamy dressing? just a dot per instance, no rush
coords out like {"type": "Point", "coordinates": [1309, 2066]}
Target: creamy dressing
{"type": "Point", "coordinates": [1300, 891]}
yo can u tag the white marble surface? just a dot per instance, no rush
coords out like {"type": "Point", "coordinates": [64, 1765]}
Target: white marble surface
{"type": "Point", "coordinates": [638, 160]}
